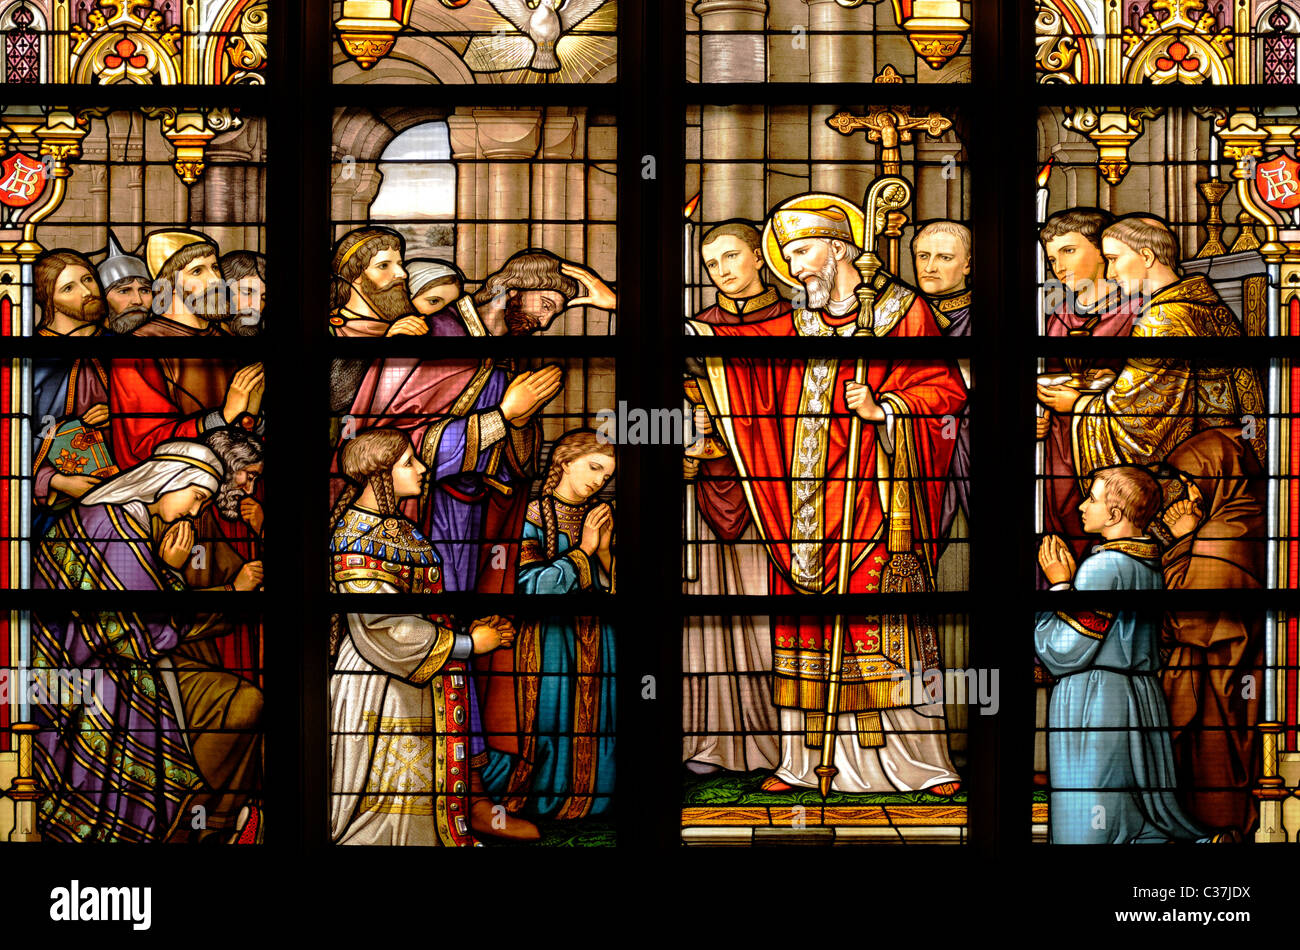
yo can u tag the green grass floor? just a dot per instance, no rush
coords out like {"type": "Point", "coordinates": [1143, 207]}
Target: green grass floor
{"type": "Point", "coordinates": [741, 789]}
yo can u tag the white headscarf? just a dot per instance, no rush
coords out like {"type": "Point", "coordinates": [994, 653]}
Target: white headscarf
{"type": "Point", "coordinates": [173, 466]}
{"type": "Point", "coordinates": [421, 273]}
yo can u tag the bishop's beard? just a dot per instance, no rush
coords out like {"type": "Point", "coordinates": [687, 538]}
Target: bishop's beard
{"type": "Point", "coordinates": [819, 285]}
{"type": "Point", "coordinates": [391, 304]}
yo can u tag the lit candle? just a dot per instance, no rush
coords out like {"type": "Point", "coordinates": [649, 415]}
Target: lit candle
{"type": "Point", "coordinates": [1040, 447]}
{"type": "Point", "coordinates": [1214, 154]}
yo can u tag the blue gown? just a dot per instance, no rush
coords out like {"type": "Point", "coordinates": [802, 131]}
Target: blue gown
{"type": "Point", "coordinates": [565, 667]}
{"type": "Point", "coordinates": [1110, 759]}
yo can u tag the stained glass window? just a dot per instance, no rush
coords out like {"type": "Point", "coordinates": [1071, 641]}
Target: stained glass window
{"type": "Point", "coordinates": [131, 464]}
{"type": "Point", "coordinates": [1165, 441]}
{"type": "Point", "coordinates": [797, 219]}
{"type": "Point", "coordinates": [642, 475]}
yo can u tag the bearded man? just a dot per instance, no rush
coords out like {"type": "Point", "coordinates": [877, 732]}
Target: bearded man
{"type": "Point", "coordinates": [188, 290]}
{"type": "Point", "coordinates": [245, 272]}
{"type": "Point", "coordinates": [368, 295]}
{"type": "Point", "coordinates": [534, 287]}
{"type": "Point", "coordinates": [156, 399]}
{"type": "Point", "coordinates": [75, 396]}
{"type": "Point", "coordinates": [68, 294]}
{"type": "Point", "coordinates": [128, 289]}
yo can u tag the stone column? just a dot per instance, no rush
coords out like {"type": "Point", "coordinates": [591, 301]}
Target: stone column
{"type": "Point", "coordinates": [937, 196]}
{"type": "Point", "coordinates": [787, 42]}
{"type": "Point", "coordinates": [732, 140]}
{"type": "Point", "coordinates": [253, 136]}
{"type": "Point", "coordinates": [222, 187]}
{"type": "Point", "coordinates": [463, 133]}
{"type": "Point", "coordinates": [788, 172]}
{"type": "Point", "coordinates": [601, 239]}
{"type": "Point", "coordinates": [555, 190]}
{"type": "Point", "coordinates": [502, 141]}
{"type": "Point", "coordinates": [552, 182]}
{"type": "Point", "coordinates": [725, 54]}
{"type": "Point", "coordinates": [842, 57]}
{"type": "Point", "coordinates": [126, 194]}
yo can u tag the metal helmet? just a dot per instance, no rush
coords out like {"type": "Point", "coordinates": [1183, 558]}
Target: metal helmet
{"type": "Point", "coordinates": [119, 265]}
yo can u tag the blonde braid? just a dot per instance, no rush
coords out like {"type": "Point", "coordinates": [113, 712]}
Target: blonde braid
{"type": "Point", "coordinates": [385, 496]}
{"type": "Point", "coordinates": [550, 532]}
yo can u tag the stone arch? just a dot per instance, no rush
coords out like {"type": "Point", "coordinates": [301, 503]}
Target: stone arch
{"type": "Point", "coordinates": [363, 134]}
{"type": "Point", "coordinates": [1081, 28]}
{"type": "Point", "coordinates": [414, 59]}
{"type": "Point", "coordinates": [221, 29]}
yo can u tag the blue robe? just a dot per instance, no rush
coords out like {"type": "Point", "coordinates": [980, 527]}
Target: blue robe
{"type": "Point", "coordinates": [566, 667]}
{"type": "Point", "coordinates": [1110, 758]}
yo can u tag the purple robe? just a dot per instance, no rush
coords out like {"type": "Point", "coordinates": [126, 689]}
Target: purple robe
{"type": "Point", "coordinates": [116, 768]}
{"type": "Point", "coordinates": [449, 408]}
{"type": "Point", "coordinates": [952, 313]}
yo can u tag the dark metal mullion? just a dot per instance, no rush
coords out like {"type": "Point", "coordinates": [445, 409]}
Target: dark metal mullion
{"type": "Point", "coordinates": [657, 370]}
{"type": "Point", "coordinates": [303, 429]}
{"type": "Point", "coordinates": [991, 323]}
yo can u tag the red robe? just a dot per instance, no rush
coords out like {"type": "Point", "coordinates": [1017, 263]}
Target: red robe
{"type": "Point", "coordinates": [153, 400]}
{"type": "Point", "coordinates": [718, 493]}
{"type": "Point", "coordinates": [767, 412]}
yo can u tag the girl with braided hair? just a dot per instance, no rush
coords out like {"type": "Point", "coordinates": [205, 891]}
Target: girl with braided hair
{"type": "Point", "coordinates": [405, 738]}
{"type": "Point", "coordinates": [564, 665]}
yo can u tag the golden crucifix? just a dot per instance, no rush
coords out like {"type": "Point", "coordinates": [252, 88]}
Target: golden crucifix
{"type": "Point", "coordinates": [891, 127]}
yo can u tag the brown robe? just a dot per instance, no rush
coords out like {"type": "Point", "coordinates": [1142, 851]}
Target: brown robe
{"type": "Point", "coordinates": [222, 710]}
{"type": "Point", "coordinates": [1216, 744]}
{"type": "Point", "coordinates": [165, 326]}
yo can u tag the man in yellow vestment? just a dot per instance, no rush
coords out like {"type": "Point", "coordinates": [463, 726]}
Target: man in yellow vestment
{"type": "Point", "coordinates": [1156, 403]}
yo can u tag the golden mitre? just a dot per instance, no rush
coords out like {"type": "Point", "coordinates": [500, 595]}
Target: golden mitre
{"type": "Point", "coordinates": [162, 245]}
{"type": "Point", "coordinates": [809, 216]}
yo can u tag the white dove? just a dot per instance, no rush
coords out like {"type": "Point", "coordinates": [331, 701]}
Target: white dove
{"type": "Point", "coordinates": [543, 24]}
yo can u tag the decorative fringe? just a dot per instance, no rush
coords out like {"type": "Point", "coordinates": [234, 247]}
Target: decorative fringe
{"type": "Point", "coordinates": [871, 732]}
{"type": "Point", "coordinates": [810, 695]}
{"type": "Point", "coordinates": [814, 725]}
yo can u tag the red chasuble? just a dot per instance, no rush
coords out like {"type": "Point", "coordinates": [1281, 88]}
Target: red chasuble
{"type": "Point", "coordinates": [718, 493]}
{"type": "Point", "coordinates": [786, 425]}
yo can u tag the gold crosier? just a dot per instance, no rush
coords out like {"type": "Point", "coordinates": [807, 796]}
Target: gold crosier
{"type": "Point", "coordinates": [889, 127]}
{"type": "Point", "coordinates": [885, 196]}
